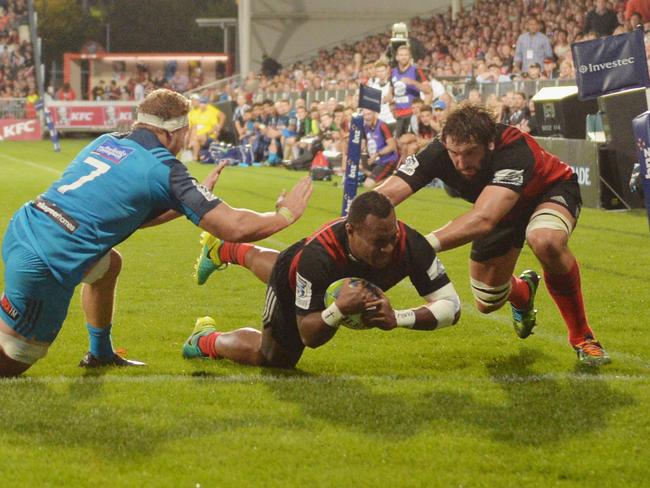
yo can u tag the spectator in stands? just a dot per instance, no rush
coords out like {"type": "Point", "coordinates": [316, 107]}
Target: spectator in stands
{"type": "Point", "coordinates": [66, 93]}
{"type": "Point", "coordinates": [492, 75]}
{"type": "Point", "coordinates": [114, 92]}
{"type": "Point", "coordinates": [205, 121]}
{"type": "Point", "coordinates": [474, 96]}
{"type": "Point", "coordinates": [520, 114]}
{"type": "Point", "coordinates": [407, 81]}
{"type": "Point", "coordinates": [549, 70]}
{"type": "Point", "coordinates": [601, 19]}
{"type": "Point", "coordinates": [566, 70]}
{"type": "Point", "coordinates": [532, 46]}
{"type": "Point", "coordinates": [534, 71]}
{"type": "Point", "coordinates": [561, 47]}
{"type": "Point", "coordinates": [411, 143]}
{"type": "Point", "coordinates": [381, 82]}
{"type": "Point", "coordinates": [381, 148]}
{"type": "Point", "coordinates": [634, 21]}
{"type": "Point", "coordinates": [641, 7]}
{"type": "Point", "coordinates": [99, 91]}
{"type": "Point", "coordinates": [440, 110]}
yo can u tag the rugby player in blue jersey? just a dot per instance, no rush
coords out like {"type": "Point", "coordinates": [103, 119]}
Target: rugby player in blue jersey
{"type": "Point", "coordinates": [66, 236]}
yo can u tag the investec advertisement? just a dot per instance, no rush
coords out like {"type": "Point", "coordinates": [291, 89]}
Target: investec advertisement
{"type": "Point", "coordinates": [92, 116]}
{"type": "Point", "coordinates": [610, 64]}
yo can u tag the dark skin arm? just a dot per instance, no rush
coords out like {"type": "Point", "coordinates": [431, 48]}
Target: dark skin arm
{"type": "Point", "coordinates": [314, 332]}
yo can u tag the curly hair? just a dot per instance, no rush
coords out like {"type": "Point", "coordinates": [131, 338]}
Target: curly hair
{"type": "Point", "coordinates": [470, 122]}
{"type": "Point", "coordinates": [164, 103]}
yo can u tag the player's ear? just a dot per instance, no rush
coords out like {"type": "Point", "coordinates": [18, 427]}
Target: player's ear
{"type": "Point", "coordinates": [491, 146]}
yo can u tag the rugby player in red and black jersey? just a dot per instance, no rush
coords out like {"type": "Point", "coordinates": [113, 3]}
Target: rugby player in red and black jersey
{"type": "Point", "coordinates": [520, 193]}
{"type": "Point", "coordinates": [370, 244]}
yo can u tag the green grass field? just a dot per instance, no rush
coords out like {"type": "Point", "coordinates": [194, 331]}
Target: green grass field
{"type": "Point", "coordinates": [469, 406]}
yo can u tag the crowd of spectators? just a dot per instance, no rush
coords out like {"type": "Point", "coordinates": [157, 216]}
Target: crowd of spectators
{"type": "Point", "coordinates": [492, 41]}
{"type": "Point", "coordinates": [17, 77]}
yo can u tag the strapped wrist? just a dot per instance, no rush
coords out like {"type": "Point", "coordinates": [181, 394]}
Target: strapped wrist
{"type": "Point", "coordinates": [405, 318]}
{"type": "Point", "coordinates": [332, 316]}
{"type": "Point", "coordinates": [287, 214]}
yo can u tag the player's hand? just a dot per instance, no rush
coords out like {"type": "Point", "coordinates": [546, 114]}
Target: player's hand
{"type": "Point", "coordinates": [379, 313]}
{"type": "Point", "coordinates": [213, 177]}
{"type": "Point", "coordinates": [296, 200]}
{"type": "Point", "coordinates": [354, 299]}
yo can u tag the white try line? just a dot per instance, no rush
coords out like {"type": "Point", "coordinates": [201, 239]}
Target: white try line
{"type": "Point", "coordinates": [31, 163]}
{"type": "Point", "coordinates": [328, 378]}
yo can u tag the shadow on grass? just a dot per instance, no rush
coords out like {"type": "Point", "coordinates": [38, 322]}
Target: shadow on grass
{"type": "Point", "coordinates": [513, 406]}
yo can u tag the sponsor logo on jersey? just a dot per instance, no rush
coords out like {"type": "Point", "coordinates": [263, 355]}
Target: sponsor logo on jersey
{"type": "Point", "coordinates": [409, 166]}
{"type": "Point", "coordinates": [8, 308]}
{"type": "Point", "coordinates": [514, 177]}
{"type": "Point", "coordinates": [112, 151]}
{"type": "Point", "coordinates": [303, 292]}
{"type": "Point", "coordinates": [207, 194]}
{"type": "Point", "coordinates": [56, 214]}
{"type": "Point", "coordinates": [560, 199]}
{"type": "Point", "coordinates": [436, 269]}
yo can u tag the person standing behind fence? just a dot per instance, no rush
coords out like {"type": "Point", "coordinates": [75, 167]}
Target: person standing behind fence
{"type": "Point", "coordinates": [407, 81]}
{"type": "Point", "coordinates": [381, 82]}
{"type": "Point", "coordinates": [532, 47]}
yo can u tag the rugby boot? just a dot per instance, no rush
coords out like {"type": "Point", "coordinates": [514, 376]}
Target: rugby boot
{"type": "Point", "coordinates": [591, 353]}
{"type": "Point", "coordinates": [524, 319]}
{"type": "Point", "coordinates": [203, 326]}
{"type": "Point", "coordinates": [208, 261]}
{"type": "Point", "coordinates": [90, 361]}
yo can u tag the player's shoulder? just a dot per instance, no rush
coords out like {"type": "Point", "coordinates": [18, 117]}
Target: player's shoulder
{"type": "Point", "coordinates": [149, 144]}
{"type": "Point", "coordinates": [328, 241]}
{"type": "Point", "coordinates": [512, 144]}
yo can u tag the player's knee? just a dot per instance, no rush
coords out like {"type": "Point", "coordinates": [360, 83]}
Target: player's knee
{"type": "Point", "coordinates": [546, 244]}
{"type": "Point", "coordinates": [488, 298]}
{"type": "Point", "coordinates": [116, 262]}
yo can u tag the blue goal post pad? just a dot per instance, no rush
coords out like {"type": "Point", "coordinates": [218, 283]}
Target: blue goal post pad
{"type": "Point", "coordinates": [610, 64]}
{"type": "Point", "coordinates": [370, 98]}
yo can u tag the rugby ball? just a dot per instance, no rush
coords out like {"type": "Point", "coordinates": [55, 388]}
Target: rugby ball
{"type": "Point", "coordinates": [331, 294]}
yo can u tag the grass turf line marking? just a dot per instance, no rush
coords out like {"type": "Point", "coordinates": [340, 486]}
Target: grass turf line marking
{"type": "Point", "coordinates": [297, 378]}
{"type": "Point", "coordinates": [32, 163]}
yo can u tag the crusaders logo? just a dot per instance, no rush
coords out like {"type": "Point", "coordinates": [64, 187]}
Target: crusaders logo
{"type": "Point", "coordinates": [8, 308]}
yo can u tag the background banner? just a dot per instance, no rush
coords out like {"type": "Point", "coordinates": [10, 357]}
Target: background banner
{"type": "Point", "coordinates": [352, 166]}
{"type": "Point", "coordinates": [20, 130]}
{"type": "Point", "coordinates": [610, 64]}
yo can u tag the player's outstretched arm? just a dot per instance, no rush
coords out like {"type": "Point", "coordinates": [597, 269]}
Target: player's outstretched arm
{"type": "Point", "coordinates": [492, 205]}
{"type": "Point", "coordinates": [396, 189]}
{"type": "Point", "coordinates": [244, 225]}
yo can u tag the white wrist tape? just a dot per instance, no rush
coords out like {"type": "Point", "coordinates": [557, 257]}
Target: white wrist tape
{"type": "Point", "coordinates": [332, 316]}
{"type": "Point", "coordinates": [405, 318]}
{"type": "Point", "coordinates": [434, 241]}
{"type": "Point", "coordinates": [287, 214]}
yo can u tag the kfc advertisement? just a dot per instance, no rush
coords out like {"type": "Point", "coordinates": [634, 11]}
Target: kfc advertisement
{"type": "Point", "coordinates": [92, 116]}
{"type": "Point", "coordinates": [20, 130]}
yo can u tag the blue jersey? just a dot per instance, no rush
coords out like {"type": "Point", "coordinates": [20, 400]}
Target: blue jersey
{"type": "Point", "coordinates": [112, 187]}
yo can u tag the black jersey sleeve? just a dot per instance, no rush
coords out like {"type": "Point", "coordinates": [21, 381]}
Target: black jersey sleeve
{"type": "Point", "coordinates": [426, 271]}
{"type": "Point", "coordinates": [419, 169]}
{"type": "Point", "coordinates": [190, 197]}
{"type": "Point", "coordinates": [512, 166]}
{"type": "Point", "coordinates": [315, 272]}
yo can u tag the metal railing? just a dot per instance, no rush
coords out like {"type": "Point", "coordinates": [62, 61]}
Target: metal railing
{"type": "Point", "coordinates": [459, 88]}
{"type": "Point", "coordinates": [15, 108]}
